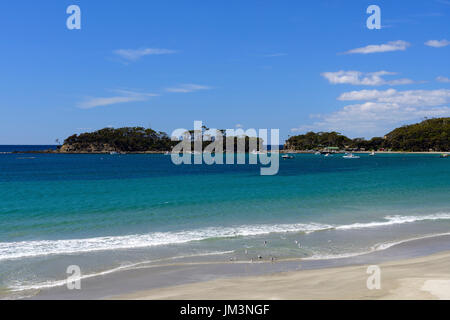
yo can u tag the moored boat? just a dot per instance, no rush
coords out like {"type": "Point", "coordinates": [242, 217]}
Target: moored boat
{"type": "Point", "coordinates": [350, 156]}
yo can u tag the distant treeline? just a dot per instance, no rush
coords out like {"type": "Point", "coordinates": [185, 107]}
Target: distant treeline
{"type": "Point", "coordinates": [139, 139]}
{"type": "Point", "coordinates": [126, 139]}
{"type": "Point", "coordinates": [432, 134]}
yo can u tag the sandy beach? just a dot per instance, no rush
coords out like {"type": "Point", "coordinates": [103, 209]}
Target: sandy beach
{"type": "Point", "coordinates": [420, 278]}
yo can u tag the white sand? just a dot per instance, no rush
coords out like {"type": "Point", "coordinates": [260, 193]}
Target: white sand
{"type": "Point", "coordinates": [421, 278]}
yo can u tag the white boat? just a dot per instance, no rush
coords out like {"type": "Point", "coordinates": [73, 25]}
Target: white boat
{"type": "Point", "coordinates": [444, 155]}
{"type": "Point", "coordinates": [327, 155]}
{"type": "Point", "coordinates": [372, 153]}
{"type": "Point", "coordinates": [287, 156]}
{"type": "Point", "coordinates": [350, 156]}
{"type": "Point", "coordinates": [317, 152]}
{"type": "Point", "coordinates": [113, 153]}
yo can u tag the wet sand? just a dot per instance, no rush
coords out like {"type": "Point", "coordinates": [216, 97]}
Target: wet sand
{"type": "Point", "coordinates": [419, 278]}
{"type": "Point", "coordinates": [406, 268]}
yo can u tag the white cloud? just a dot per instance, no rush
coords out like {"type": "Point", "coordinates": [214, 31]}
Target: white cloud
{"type": "Point", "coordinates": [136, 54]}
{"type": "Point", "coordinates": [362, 95]}
{"type": "Point", "coordinates": [380, 111]}
{"type": "Point", "coordinates": [398, 45]}
{"type": "Point", "coordinates": [398, 82]}
{"type": "Point", "coordinates": [365, 79]}
{"type": "Point", "coordinates": [437, 43]}
{"type": "Point", "coordinates": [126, 96]}
{"type": "Point", "coordinates": [418, 98]}
{"type": "Point", "coordinates": [186, 88]}
{"type": "Point", "coordinates": [443, 79]}
{"type": "Point", "coordinates": [412, 98]}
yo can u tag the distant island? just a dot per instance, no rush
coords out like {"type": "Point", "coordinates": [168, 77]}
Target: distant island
{"type": "Point", "coordinates": [428, 135]}
{"type": "Point", "coordinates": [128, 139]}
{"type": "Point", "coordinates": [431, 135]}
{"type": "Point", "coordinates": [142, 140]}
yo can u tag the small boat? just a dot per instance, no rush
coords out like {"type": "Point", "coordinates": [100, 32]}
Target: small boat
{"type": "Point", "coordinates": [287, 156]}
{"type": "Point", "coordinates": [166, 153]}
{"type": "Point", "coordinates": [327, 155]}
{"type": "Point", "coordinates": [350, 156]}
{"type": "Point", "coordinates": [444, 155]}
{"type": "Point", "coordinates": [372, 153]}
{"type": "Point", "coordinates": [317, 152]}
{"type": "Point", "coordinates": [113, 153]}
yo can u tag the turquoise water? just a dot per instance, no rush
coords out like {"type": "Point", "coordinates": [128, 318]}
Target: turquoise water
{"type": "Point", "coordinates": [103, 212]}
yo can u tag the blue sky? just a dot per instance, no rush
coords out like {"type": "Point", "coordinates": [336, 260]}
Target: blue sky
{"type": "Point", "coordinates": [292, 65]}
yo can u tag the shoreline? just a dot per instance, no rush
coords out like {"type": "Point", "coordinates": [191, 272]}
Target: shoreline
{"type": "Point", "coordinates": [368, 152]}
{"type": "Point", "coordinates": [205, 279]}
{"type": "Point", "coordinates": [280, 151]}
{"type": "Point", "coordinates": [425, 278]}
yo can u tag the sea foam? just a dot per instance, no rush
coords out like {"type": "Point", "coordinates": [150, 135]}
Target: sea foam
{"type": "Point", "coordinates": [15, 250]}
{"type": "Point", "coordinates": [25, 249]}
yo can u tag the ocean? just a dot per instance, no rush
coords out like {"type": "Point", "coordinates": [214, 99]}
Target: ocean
{"type": "Point", "coordinates": [25, 148]}
{"type": "Point", "coordinates": [106, 213]}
